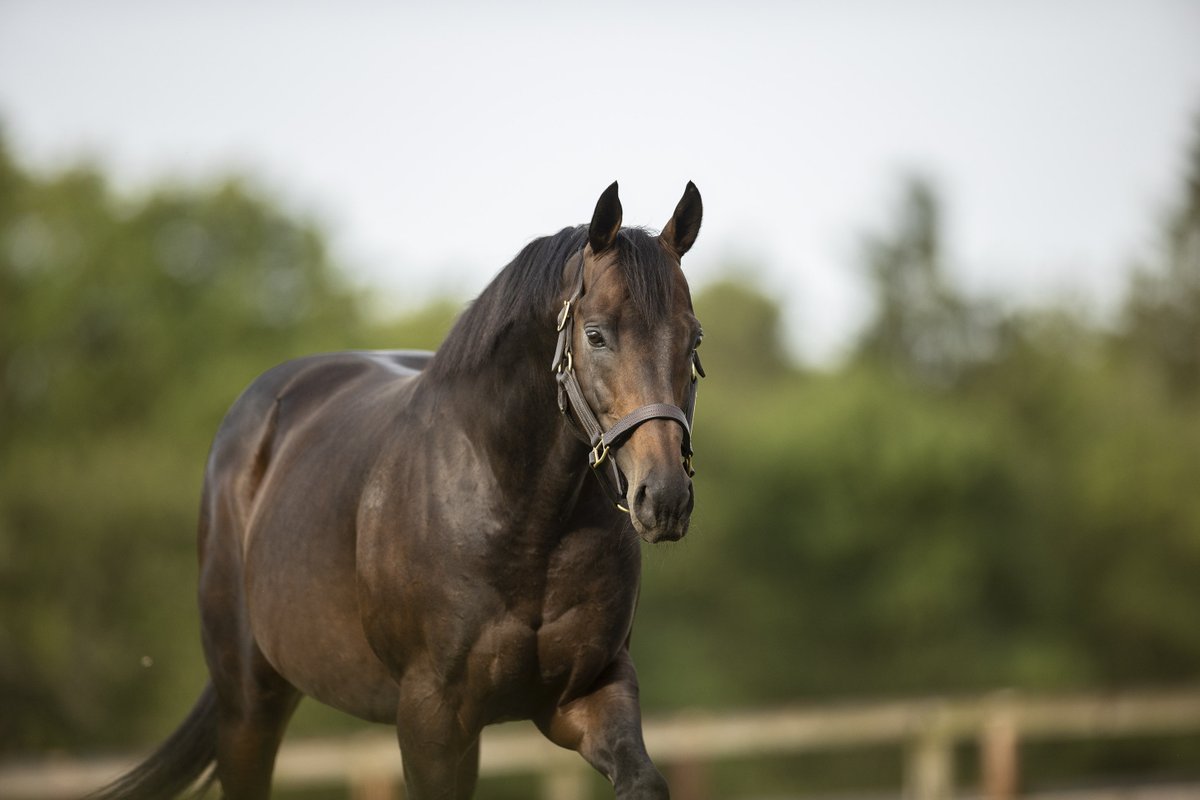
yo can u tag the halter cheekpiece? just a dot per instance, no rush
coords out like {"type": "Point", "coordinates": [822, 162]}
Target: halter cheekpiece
{"type": "Point", "coordinates": [586, 426]}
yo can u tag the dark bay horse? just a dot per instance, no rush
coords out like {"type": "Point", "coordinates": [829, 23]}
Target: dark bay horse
{"type": "Point", "coordinates": [445, 541]}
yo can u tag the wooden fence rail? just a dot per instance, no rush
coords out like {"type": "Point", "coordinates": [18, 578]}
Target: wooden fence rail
{"type": "Point", "coordinates": [928, 730]}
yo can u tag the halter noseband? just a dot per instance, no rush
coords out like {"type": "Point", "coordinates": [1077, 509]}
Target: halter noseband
{"type": "Point", "coordinates": [586, 426]}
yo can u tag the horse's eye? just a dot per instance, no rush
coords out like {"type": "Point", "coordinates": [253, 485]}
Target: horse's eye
{"type": "Point", "coordinates": [594, 337]}
{"type": "Point", "coordinates": [699, 341]}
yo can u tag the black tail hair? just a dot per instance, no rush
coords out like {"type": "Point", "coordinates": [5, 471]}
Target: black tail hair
{"type": "Point", "coordinates": [177, 763]}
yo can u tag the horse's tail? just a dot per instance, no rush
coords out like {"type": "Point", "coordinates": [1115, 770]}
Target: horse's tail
{"type": "Point", "coordinates": [177, 763]}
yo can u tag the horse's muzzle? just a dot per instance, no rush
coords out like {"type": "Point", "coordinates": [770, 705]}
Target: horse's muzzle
{"type": "Point", "coordinates": [661, 506]}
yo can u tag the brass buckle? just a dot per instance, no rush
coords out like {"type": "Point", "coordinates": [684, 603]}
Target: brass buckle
{"type": "Point", "coordinates": [599, 455]}
{"type": "Point", "coordinates": [566, 364]}
{"type": "Point", "coordinates": [564, 315]}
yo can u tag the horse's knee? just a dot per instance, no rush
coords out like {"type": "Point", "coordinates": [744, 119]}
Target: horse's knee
{"type": "Point", "coordinates": [651, 786]}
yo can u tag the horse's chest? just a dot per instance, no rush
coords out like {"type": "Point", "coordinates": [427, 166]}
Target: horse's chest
{"type": "Point", "coordinates": [515, 663]}
{"type": "Point", "coordinates": [552, 648]}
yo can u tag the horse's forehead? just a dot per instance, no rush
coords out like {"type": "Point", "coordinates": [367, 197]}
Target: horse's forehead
{"type": "Point", "coordinates": [608, 291]}
{"type": "Point", "coordinates": [606, 284]}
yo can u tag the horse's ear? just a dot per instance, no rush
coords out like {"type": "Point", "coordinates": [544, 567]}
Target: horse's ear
{"type": "Point", "coordinates": [606, 220]}
{"type": "Point", "coordinates": [680, 233]}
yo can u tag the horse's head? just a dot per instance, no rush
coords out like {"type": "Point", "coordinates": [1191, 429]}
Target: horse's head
{"type": "Point", "coordinates": [632, 340]}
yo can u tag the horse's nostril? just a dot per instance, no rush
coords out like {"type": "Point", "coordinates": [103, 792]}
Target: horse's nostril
{"type": "Point", "coordinates": [643, 508]}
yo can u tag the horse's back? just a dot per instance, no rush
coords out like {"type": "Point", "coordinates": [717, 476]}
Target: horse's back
{"type": "Point", "coordinates": [405, 361]}
{"type": "Point", "coordinates": [319, 377]}
{"type": "Point", "coordinates": [303, 382]}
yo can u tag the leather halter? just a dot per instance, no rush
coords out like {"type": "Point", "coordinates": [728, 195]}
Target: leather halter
{"type": "Point", "coordinates": [587, 427]}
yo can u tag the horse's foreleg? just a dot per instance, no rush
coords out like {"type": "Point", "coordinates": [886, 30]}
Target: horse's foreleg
{"type": "Point", "coordinates": [440, 749]}
{"type": "Point", "coordinates": [605, 727]}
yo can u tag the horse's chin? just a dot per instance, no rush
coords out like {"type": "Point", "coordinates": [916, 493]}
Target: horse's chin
{"type": "Point", "coordinates": [660, 533]}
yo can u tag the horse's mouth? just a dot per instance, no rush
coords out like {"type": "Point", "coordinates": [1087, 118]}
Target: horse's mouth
{"type": "Point", "coordinates": [668, 530]}
{"type": "Point", "coordinates": [660, 535]}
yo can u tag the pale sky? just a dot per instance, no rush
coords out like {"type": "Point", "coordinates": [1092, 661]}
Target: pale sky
{"type": "Point", "coordinates": [434, 140]}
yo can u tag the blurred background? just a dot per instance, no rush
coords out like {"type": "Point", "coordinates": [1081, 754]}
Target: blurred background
{"type": "Point", "coordinates": [949, 277]}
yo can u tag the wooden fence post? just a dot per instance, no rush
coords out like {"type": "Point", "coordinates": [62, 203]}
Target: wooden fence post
{"type": "Point", "coordinates": [929, 773]}
{"type": "Point", "coordinates": [374, 786]}
{"type": "Point", "coordinates": [688, 778]}
{"type": "Point", "coordinates": [565, 783]}
{"type": "Point", "coordinates": [998, 753]}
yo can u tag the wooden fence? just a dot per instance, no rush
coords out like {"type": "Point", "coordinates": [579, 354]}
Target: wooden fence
{"type": "Point", "coordinates": [685, 743]}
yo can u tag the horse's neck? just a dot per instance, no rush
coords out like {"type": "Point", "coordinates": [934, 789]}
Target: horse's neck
{"type": "Point", "coordinates": [509, 410]}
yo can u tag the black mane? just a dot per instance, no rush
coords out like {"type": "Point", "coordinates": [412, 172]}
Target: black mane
{"type": "Point", "coordinates": [530, 289]}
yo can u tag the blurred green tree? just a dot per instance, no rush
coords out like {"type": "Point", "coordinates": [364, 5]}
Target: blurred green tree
{"type": "Point", "coordinates": [1162, 312]}
{"type": "Point", "coordinates": [922, 327]}
{"type": "Point", "coordinates": [743, 328]}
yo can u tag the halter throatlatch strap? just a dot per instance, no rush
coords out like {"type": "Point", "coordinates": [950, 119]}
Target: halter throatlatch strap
{"type": "Point", "coordinates": [582, 420]}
